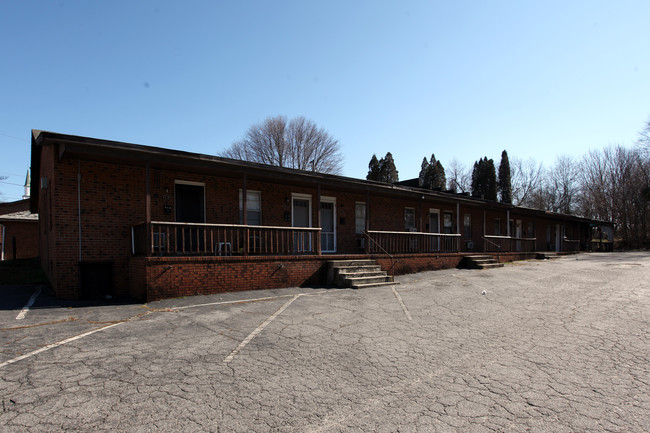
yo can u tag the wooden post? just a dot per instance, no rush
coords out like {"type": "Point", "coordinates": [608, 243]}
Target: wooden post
{"type": "Point", "coordinates": [318, 220]}
{"type": "Point", "coordinates": [244, 198]}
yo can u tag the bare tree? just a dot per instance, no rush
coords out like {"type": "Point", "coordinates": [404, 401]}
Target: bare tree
{"type": "Point", "coordinates": [526, 178]}
{"type": "Point", "coordinates": [643, 142]}
{"type": "Point", "coordinates": [459, 177]}
{"type": "Point", "coordinates": [563, 181]}
{"type": "Point", "coordinates": [297, 144]}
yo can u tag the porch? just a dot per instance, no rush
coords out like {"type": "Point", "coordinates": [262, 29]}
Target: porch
{"type": "Point", "coordinates": [181, 259]}
{"type": "Point", "coordinates": [176, 239]}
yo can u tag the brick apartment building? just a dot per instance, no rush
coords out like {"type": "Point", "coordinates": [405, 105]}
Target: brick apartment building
{"type": "Point", "coordinates": [125, 219]}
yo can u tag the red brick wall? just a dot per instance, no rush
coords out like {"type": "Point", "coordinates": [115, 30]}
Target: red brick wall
{"type": "Point", "coordinates": [26, 234]}
{"type": "Point", "coordinates": [413, 263]}
{"type": "Point", "coordinates": [169, 277]}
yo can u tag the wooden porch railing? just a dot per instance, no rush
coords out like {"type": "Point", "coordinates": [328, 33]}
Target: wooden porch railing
{"type": "Point", "coordinates": [501, 244]}
{"type": "Point", "coordinates": [570, 245]}
{"type": "Point", "coordinates": [413, 242]}
{"type": "Point", "coordinates": [170, 238]}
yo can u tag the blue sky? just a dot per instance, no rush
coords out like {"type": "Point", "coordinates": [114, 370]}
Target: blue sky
{"type": "Point", "coordinates": [462, 79]}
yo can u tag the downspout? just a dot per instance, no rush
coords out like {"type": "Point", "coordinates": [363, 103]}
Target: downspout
{"type": "Point", "coordinates": [2, 252]}
{"type": "Point", "coordinates": [79, 205]}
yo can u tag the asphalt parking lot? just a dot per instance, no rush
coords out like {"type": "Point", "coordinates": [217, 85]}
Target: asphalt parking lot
{"type": "Point", "coordinates": [539, 346]}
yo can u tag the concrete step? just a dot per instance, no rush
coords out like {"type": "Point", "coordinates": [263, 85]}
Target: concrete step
{"type": "Point", "coordinates": [365, 268]}
{"type": "Point", "coordinates": [546, 256]}
{"type": "Point", "coordinates": [357, 274]}
{"type": "Point", "coordinates": [351, 263]}
{"type": "Point", "coordinates": [373, 285]}
{"type": "Point", "coordinates": [490, 265]}
{"type": "Point", "coordinates": [354, 282]}
{"type": "Point", "coordinates": [482, 261]}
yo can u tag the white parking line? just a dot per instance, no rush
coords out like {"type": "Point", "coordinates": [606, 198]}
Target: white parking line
{"type": "Point", "coordinates": [25, 309]}
{"type": "Point", "coordinates": [57, 344]}
{"type": "Point", "coordinates": [399, 299]}
{"type": "Point", "coordinates": [243, 301]}
{"type": "Point", "coordinates": [258, 330]}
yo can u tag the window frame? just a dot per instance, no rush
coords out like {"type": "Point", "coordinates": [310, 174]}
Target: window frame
{"type": "Point", "coordinates": [248, 210]}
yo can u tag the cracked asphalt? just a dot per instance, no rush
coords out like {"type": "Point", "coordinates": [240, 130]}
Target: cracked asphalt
{"type": "Point", "coordinates": [559, 346]}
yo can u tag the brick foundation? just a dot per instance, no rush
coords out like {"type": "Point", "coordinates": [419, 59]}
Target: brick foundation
{"type": "Point", "coordinates": [155, 278]}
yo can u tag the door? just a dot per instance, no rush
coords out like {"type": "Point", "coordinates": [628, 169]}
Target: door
{"type": "Point", "coordinates": [558, 238]}
{"type": "Point", "coordinates": [518, 234]}
{"type": "Point", "coordinates": [301, 217]}
{"type": "Point", "coordinates": [190, 208]}
{"type": "Point", "coordinates": [328, 225]}
{"type": "Point", "coordinates": [434, 227]}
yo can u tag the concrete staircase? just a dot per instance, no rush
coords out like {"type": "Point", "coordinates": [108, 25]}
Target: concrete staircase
{"type": "Point", "coordinates": [358, 274]}
{"type": "Point", "coordinates": [482, 262]}
{"type": "Point", "coordinates": [546, 256]}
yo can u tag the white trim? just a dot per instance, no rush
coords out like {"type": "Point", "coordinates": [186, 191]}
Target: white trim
{"type": "Point", "coordinates": [241, 203]}
{"type": "Point", "coordinates": [365, 213]}
{"type": "Point", "coordinates": [437, 212]}
{"type": "Point", "coordinates": [187, 182]}
{"type": "Point", "coordinates": [415, 225]}
{"type": "Point", "coordinates": [307, 197]}
{"type": "Point", "coordinates": [326, 199]}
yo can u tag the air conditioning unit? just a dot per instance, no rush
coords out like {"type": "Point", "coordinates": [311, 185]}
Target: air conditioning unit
{"type": "Point", "coordinates": [469, 245]}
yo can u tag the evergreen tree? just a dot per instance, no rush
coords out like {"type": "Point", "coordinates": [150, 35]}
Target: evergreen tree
{"type": "Point", "coordinates": [475, 180]}
{"type": "Point", "coordinates": [383, 170]}
{"type": "Point", "coordinates": [424, 168]}
{"type": "Point", "coordinates": [441, 179]}
{"type": "Point", "coordinates": [504, 183]}
{"type": "Point", "coordinates": [491, 178]}
{"type": "Point", "coordinates": [373, 169]}
{"type": "Point", "coordinates": [484, 179]}
{"type": "Point", "coordinates": [388, 172]}
{"type": "Point", "coordinates": [432, 174]}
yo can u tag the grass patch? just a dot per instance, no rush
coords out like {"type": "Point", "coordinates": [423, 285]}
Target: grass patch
{"type": "Point", "coordinates": [23, 271]}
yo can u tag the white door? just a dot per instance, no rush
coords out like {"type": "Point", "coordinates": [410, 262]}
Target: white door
{"type": "Point", "coordinates": [301, 217]}
{"type": "Point", "coordinates": [518, 234]}
{"type": "Point", "coordinates": [558, 238]}
{"type": "Point", "coordinates": [328, 225]}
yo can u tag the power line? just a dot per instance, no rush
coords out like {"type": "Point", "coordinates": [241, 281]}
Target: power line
{"type": "Point", "coordinates": [9, 183]}
{"type": "Point", "coordinates": [11, 136]}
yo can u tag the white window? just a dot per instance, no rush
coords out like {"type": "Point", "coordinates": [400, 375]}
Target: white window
{"type": "Point", "coordinates": [360, 217]}
{"type": "Point", "coordinates": [447, 222]}
{"type": "Point", "coordinates": [467, 223]}
{"type": "Point", "coordinates": [253, 208]}
{"type": "Point", "coordinates": [409, 219]}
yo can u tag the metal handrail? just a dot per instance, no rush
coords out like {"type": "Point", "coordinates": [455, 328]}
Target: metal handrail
{"type": "Point", "coordinates": [392, 258]}
{"type": "Point", "coordinates": [494, 243]}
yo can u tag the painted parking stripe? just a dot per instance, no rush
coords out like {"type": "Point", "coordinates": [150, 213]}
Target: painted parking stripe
{"type": "Point", "coordinates": [25, 309]}
{"type": "Point", "coordinates": [399, 299]}
{"type": "Point", "coordinates": [245, 301]}
{"type": "Point", "coordinates": [259, 329]}
{"type": "Point", "coordinates": [57, 344]}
